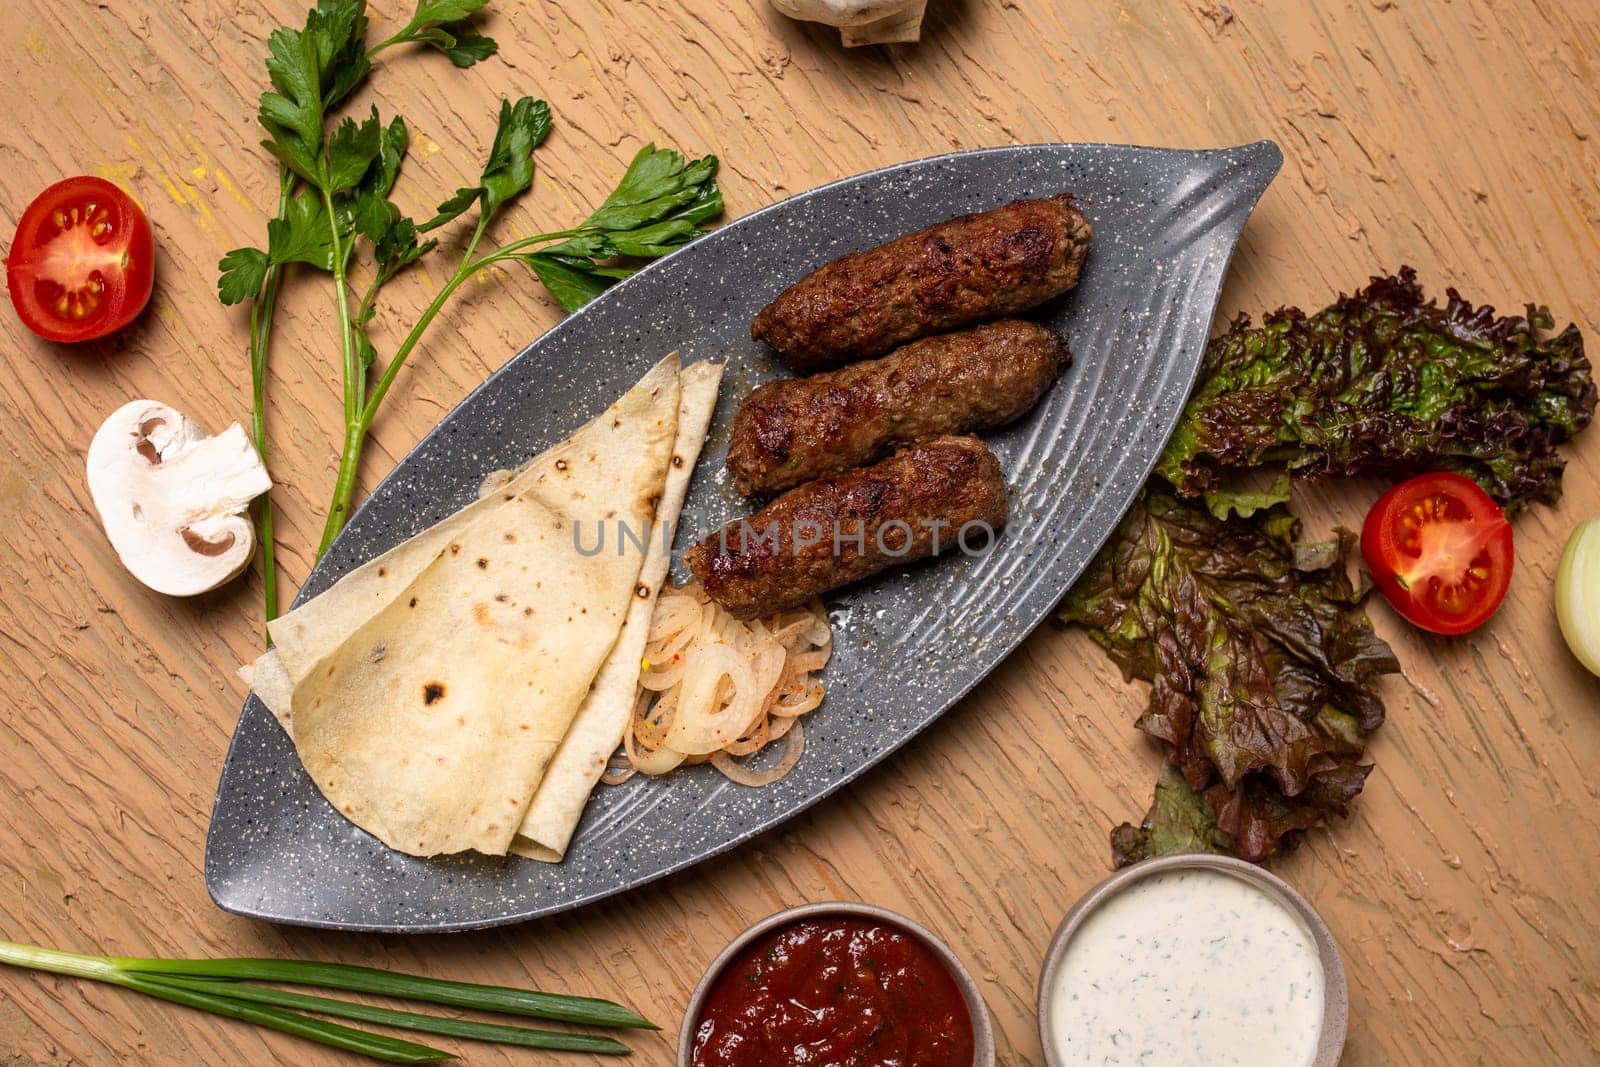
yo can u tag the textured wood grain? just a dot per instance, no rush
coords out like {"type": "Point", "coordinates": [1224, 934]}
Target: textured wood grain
{"type": "Point", "coordinates": [1456, 135]}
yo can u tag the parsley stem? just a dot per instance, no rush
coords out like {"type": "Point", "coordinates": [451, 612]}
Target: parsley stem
{"type": "Point", "coordinates": [365, 309]}
{"type": "Point", "coordinates": [357, 430]}
{"type": "Point", "coordinates": [352, 364]}
{"type": "Point", "coordinates": [468, 268]}
{"type": "Point", "coordinates": [506, 251]}
{"type": "Point", "coordinates": [405, 35]}
{"type": "Point", "coordinates": [417, 329]}
{"type": "Point", "coordinates": [477, 235]}
{"type": "Point", "coordinates": [372, 53]}
{"type": "Point", "coordinates": [354, 387]}
{"type": "Point", "coordinates": [262, 310]}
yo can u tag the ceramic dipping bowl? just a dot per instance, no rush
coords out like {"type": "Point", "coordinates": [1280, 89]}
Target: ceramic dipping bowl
{"type": "Point", "coordinates": [1336, 996]}
{"type": "Point", "coordinates": [982, 1028]}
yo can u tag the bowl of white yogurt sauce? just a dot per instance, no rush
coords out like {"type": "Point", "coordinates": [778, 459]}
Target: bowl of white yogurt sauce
{"type": "Point", "coordinates": [1193, 960]}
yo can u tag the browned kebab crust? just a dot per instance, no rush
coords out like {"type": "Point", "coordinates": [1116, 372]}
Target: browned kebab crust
{"type": "Point", "coordinates": [957, 272]}
{"type": "Point", "coordinates": [951, 481]}
{"type": "Point", "coordinates": [789, 432]}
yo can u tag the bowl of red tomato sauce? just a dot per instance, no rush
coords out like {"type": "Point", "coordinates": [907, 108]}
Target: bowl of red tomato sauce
{"type": "Point", "coordinates": [836, 983]}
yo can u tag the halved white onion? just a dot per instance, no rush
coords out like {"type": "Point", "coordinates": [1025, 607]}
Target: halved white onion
{"type": "Point", "coordinates": [1578, 594]}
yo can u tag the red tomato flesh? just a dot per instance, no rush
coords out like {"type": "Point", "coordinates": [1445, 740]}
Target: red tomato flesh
{"type": "Point", "coordinates": [83, 262]}
{"type": "Point", "coordinates": [1440, 551]}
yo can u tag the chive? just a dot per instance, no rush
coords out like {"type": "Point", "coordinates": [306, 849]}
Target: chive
{"type": "Point", "coordinates": [378, 1046]}
{"type": "Point", "coordinates": [101, 969]}
{"type": "Point", "coordinates": [218, 986]}
{"type": "Point", "coordinates": [405, 1020]}
{"type": "Point", "coordinates": [502, 999]}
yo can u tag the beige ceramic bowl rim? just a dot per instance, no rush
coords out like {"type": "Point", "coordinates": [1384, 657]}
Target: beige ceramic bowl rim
{"type": "Point", "coordinates": [982, 1028]}
{"type": "Point", "coordinates": [1336, 995]}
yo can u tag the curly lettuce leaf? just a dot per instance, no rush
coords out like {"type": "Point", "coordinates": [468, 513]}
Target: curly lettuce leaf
{"type": "Point", "coordinates": [1264, 672]}
{"type": "Point", "coordinates": [1387, 381]}
{"type": "Point", "coordinates": [1179, 820]}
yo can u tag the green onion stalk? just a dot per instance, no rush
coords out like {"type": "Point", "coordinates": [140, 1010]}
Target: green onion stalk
{"type": "Point", "coordinates": [224, 987]}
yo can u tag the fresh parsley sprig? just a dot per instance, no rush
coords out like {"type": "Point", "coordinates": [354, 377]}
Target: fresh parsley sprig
{"type": "Point", "coordinates": [334, 203]}
{"type": "Point", "coordinates": [656, 208]}
{"type": "Point", "coordinates": [448, 26]}
{"type": "Point", "coordinates": [333, 46]}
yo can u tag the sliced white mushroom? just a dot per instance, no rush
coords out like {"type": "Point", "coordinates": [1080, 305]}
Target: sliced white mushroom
{"type": "Point", "coordinates": [172, 500]}
{"type": "Point", "coordinates": [862, 22]}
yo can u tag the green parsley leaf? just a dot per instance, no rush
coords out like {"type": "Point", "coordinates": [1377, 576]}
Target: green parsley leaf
{"type": "Point", "coordinates": [657, 207]}
{"type": "Point", "coordinates": [447, 26]}
{"type": "Point", "coordinates": [399, 248]}
{"type": "Point", "coordinates": [449, 209]}
{"type": "Point", "coordinates": [292, 115]}
{"type": "Point", "coordinates": [243, 271]}
{"type": "Point", "coordinates": [372, 216]}
{"type": "Point", "coordinates": [437, 12]}
{"type": "Point", "coordinates": [392, 146]}
{"type": "Point", "coordinates": [572, 285]}
{"type": "Point", "coordinates": [303, 234]}
{"type": "Point", "coordinates": [463, 46]}
{"type": "Point", "coordinates": [367, 210]}
{"type": "Point", "coordinates": [522, 127]}
{"type": "Point", "coordinates": [311, 70]}
{"type": "Point", "coordinates": [338, 31]}
{"type": "Point", "coordinates": [352, 150]}
{"type": "Point", "coordinates": [658, 182]}
{"type": "Point", "coordinates": [393, 236]}
{"type": "Point", "coordinates": [652, 241]}
{"type": "Point", "coordinates": [470, 48]}
{"type": "Point", "coordinates": [296, 77]}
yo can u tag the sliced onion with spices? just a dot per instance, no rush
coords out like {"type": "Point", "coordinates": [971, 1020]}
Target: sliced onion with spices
{"type": "Point", "coordinates": [713, 688]}
{"type": "Point", "coordinates": [742, 775]}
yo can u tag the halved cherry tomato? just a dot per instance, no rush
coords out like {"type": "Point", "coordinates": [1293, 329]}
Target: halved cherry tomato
{"type": "Point", "coordinates": [83, 261]}
{"type": "Point", "coordinates": [1440, 552]}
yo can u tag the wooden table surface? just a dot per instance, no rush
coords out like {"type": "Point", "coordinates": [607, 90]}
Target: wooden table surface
{"type": "Point", "coordinates": [1460, 136]}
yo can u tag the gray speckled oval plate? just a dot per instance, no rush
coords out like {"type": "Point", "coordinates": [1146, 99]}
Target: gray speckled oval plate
{"type": "Point", "coordinates": [909, 644]}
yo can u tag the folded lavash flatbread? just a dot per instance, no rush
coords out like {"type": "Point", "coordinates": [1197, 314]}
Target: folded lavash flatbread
{"type": "Point", "coordinates": [316, 627]}
{"type": "Point", "coordinates": [432, 723]}
{"type": "Point", "coordinates": [598, 727]}
{"type": "Point", "coordinates": [302, 637]}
